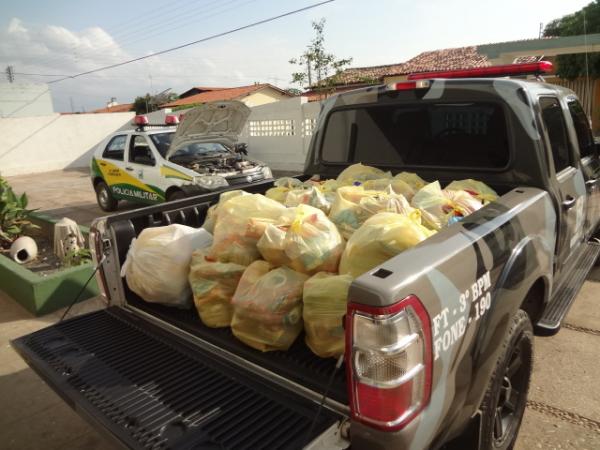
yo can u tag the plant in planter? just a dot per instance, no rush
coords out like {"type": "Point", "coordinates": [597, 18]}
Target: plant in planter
{"type": "Point", "coordinates": [77, 257]}
{"type": "Point", "coordinates": [14, 215]}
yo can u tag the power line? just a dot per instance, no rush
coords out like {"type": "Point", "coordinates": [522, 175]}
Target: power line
{"type": "Point", "coordinates": [214, 36]}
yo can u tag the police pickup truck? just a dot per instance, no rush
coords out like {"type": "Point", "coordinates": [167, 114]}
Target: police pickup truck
{"type": "Point", "coordinates": [156, 163]}
{"type": "Point", "coordinates": [439, 339]}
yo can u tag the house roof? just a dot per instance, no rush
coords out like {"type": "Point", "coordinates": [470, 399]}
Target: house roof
{"type": "Point", "coordinates": [445, 59]}
{"type": "Point", "coordinates": [123, 107]}
{"type": "Point", "coordinates": [222, 94]}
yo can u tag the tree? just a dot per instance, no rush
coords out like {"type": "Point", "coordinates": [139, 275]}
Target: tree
{"type": "Point", "coordinates": [148, 103]}
{"type": "Point", "coordinates": [318, 68]}
{"type": "Point", "coordinates": [574, 66]}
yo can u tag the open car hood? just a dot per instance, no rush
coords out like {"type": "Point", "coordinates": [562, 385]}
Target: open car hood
{"type": "Point", "coordinates": [216, 122]}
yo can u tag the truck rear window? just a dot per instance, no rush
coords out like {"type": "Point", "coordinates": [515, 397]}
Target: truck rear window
{"type": "Point", "coordinates": [449, 135]}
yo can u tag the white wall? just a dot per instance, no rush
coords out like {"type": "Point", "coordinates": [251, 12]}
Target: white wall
{"type": "Point", "coordinates": [54, 142]}
{"type": "Point", "coordinates": [25, 99]}
{"type": "Point", "coordinates": [279, 133]}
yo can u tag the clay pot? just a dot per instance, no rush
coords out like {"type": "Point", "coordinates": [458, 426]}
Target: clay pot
{"type": "Point", "coordinates": [23, 250]}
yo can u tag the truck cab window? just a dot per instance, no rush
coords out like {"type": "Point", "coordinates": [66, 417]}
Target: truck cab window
{"type": "Point", "coordinates": [554, 122]}
{"type": "Point", "coordinates": [115, 148]}
{"type": "Point", "coordinates": [582, 129]}
{"type": "Point", "coordinates": [452, 135]}
{"type": "Point", "coordinates": [139, 151]}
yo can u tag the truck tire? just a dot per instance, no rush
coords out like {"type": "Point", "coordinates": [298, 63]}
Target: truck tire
{"type": "Point", "coordinates": [104, 197]}
{"type": "Point", "coordinates": [504, 403]}
{"type": "Point", "coordinates": [176, 195]}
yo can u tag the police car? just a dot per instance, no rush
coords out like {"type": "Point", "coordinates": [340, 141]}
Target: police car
{"type": "Point", "coordinates": [156, 163]}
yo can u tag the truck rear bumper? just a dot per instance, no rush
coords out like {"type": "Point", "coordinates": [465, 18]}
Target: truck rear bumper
{"type": "Point", "coordinates": [150, 389]}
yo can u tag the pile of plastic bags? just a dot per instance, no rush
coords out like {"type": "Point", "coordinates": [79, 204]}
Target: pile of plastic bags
{"type": "Point", "coordinates": [158, 261]}
{"type": "Point", "coordinates": [280, 263]}
{"type": "Point", "coordinates": [267, 306]}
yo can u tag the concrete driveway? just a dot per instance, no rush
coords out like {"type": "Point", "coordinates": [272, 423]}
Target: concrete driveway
{"type": "Point", "coordinates": [564, 399]}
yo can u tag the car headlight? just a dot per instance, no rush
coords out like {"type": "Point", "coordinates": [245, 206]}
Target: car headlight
{"type": "Point", "coordinates": [267, 172]}
{"type": "Point", "coordinates": [211, 181]}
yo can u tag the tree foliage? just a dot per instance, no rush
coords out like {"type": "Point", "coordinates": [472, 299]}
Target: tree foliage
{"type": "Point", "coordinates": [574, 66]}
{"type": "Point", "coordinates": [318, 69]}
{"type": "Point", "coordinates": [148, 103]}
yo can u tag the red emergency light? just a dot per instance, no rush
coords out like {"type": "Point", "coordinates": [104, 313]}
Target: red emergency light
{"type": "Point", "coordinates": [505, 70]}
{"type": "Point", "coordinates": [140, 120]}
{"type": "Point", "coordinates": [171, 120]}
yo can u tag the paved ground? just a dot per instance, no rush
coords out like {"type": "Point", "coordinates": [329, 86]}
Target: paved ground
{"type": "Point", "coordinates": [67, 193]}
{"type": "Point", "coordinates": [564, 409]}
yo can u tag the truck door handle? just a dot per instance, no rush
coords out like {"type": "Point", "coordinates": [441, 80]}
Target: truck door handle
{"type": "Point", "coordinates": [569, 202]}
{"type": "Point", "coordinates": [129, 169]}
{"type": "Point", "coordinates": [591, 182]}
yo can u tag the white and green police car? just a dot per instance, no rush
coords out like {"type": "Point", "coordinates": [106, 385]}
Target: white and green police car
{"type": "Point", "coordinates": [152, 164]}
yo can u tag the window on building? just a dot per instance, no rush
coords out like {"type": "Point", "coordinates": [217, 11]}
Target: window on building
{"type": "Point", "coordinates": [115, 148]}
{"type": "Point", "coordinates": [554, 121]}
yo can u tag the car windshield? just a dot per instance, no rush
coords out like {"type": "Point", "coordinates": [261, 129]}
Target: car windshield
{"type": "Point", "coordinates": [199, 149]}
{"type": "Point", "coordinates": [162, 142]}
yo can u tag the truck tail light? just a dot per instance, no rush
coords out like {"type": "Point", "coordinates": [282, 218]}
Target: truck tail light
{"type": "Point", "coordinates": [388, 362]}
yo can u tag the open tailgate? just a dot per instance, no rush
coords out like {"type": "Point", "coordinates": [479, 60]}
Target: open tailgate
{"type": "Point", "coordinates": [150, 389]}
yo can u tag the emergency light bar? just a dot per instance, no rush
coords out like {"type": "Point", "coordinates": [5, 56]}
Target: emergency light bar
{"type": "Point", "coordinates": [505, 70]}
{"type": "Point", "coordinates": [142, 121]}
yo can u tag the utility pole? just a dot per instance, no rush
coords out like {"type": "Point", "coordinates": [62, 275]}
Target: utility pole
{"type": "Point", "coordinates": [10, 74]}
{"type": "Point", "coordinates": [72, 107]}
{"type": "Point", "coordinates": [541, 30]}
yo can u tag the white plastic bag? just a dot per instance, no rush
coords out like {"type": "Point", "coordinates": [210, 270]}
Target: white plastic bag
{"type": "Point", "coordinates": [158, 262]}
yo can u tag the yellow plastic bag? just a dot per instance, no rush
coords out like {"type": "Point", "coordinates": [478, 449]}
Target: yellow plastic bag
{"type": "Point", "coordinates": [353, 205]}
{"type": "Point", "coordinates": [476, 188]}
{"type": "Point", "coordinates": [281, 188]}
{"type": "Point", "coordinates": [241, 221]}
{"type": "Point", "coordinates": [324, 306]}
{"type": "Point", "coordinates": [435, 205]}
{"type": "Point", "coordinates": [360, 173]}
{"type": "Point", "coordinates": [308, 195]}
{"type": "Point", "coordinates": [211, 214]}
{"type": "Point", "coordinates": [463, 202]}
{"type": "Point", "coordinates": [267, 307]}
{"type": "Point", "coordinates": [397, 186]}
{"type": "Point", "coordinates": [213, 285]}
{"type": "Point", "coordinates": [303, 239]}
{"type": "Point", "coordinates": [412, 179]}
{"type": "Point", "coordinates": [381, 237]}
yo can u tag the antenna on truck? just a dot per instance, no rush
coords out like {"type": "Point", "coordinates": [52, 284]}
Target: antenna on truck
{"type": "Point", "coordinates": [338, 364]}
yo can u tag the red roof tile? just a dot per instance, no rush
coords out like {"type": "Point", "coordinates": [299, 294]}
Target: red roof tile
{"type": "Point", "coordinates": [222, 94]}
{"type": "Point", "coordinates": [445, 59]}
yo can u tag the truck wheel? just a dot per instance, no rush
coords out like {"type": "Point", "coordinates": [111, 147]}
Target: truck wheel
{"type": "Point", "coordinates": [104, 198]}
{"type": "Point", "coordinates": [506, 397]}
{"type": "Point", "coordinates": [176, 195]}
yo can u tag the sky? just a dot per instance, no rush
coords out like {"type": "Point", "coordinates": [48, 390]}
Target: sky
{"type": "Point", "coordinates": [66, 37]}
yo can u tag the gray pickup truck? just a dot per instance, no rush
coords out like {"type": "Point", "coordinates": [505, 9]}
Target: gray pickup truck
{"type": "Point", "coordinates": [439, 339]}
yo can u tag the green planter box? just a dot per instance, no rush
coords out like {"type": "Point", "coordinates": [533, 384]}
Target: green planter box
{"type": "Point", "coordinates": [44, 294]}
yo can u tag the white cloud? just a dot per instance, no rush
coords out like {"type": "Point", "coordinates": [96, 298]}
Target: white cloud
{"type": "Point", "coordinates": [53, 49]}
